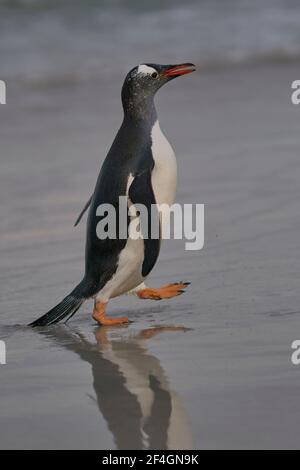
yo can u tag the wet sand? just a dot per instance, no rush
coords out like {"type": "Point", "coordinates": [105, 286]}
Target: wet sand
{"type": "Point", "coordinates": [226, 379]}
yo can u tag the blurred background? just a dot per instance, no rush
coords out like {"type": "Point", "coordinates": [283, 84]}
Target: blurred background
{"type": "Point", "coordinates": [236, 136]}
{"type": "Point", "coordinates": [54, 41]}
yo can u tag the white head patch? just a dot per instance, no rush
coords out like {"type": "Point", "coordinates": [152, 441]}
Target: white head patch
{"type": "Point", "coordinates": [145, 70]}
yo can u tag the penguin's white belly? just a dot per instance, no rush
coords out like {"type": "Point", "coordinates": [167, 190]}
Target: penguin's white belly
{"type": "Point", "coordinates": [129, 271]}
{"type": "Point", "coordinates": [164, 174]}
{"type": "Point", "coordinates": [164, 182]}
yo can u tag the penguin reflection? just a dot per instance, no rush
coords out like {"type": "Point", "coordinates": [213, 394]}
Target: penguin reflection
{"type": "Point", "coordinates": [132, 391]}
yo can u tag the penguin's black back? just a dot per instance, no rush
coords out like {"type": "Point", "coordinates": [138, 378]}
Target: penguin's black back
{"type": "Point", "coordinates": [130, 154]}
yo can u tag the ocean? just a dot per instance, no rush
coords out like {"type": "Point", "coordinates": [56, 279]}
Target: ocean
{"type": "Point", "coordinates": [51, 41]}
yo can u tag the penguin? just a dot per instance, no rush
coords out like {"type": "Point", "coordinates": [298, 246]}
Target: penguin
{"type": "Point", "coordinates": [140, 165]}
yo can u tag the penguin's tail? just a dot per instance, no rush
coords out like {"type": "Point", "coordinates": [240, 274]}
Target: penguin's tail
{"type": "Point", "coordinates": [65, 310]}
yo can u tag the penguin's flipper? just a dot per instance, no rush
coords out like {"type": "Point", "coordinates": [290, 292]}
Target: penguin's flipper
{"type": "Point", "coordinates": [141, 192]}
{"type": "Point", "coordinates": [83, 211]}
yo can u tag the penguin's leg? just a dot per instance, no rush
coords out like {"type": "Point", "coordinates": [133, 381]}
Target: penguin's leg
{"type": "Point", "coordinates": [165, 292]}
{"type": "Point", "coordinates": [100, 316]}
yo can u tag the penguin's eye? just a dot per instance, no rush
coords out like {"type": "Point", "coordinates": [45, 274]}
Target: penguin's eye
{"type": "Point", "coordinates": [154, 75]}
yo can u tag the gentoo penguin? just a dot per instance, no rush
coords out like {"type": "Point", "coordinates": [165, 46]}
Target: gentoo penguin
{"type": "Point", "coordinates": [141, 166]}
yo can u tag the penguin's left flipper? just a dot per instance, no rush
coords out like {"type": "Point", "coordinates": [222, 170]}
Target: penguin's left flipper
{"type": "Point", "coordinates": [141, 192]}
{"type": "Point", "coordinates": [83, 211]}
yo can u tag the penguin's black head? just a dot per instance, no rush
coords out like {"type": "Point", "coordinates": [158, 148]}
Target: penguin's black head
{"type": "Point", "coordinates": [143, 81]}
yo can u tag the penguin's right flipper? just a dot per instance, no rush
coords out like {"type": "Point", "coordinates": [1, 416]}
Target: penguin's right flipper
{"type": "Point", "coordinates": [83, 211]}
{"type": "Point", "coordinates": [141, 192]}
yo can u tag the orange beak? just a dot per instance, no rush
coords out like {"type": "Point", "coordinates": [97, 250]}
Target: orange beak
{"type": "Point", "coordinates": [177, 70]}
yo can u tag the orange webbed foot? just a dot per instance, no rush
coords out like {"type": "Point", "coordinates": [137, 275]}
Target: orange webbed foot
{"type": "Point", "coordinates": [166, 292]}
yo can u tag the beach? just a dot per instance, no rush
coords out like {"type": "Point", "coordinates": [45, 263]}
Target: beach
{"type": "Point", "coordinates": [210, 369]}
